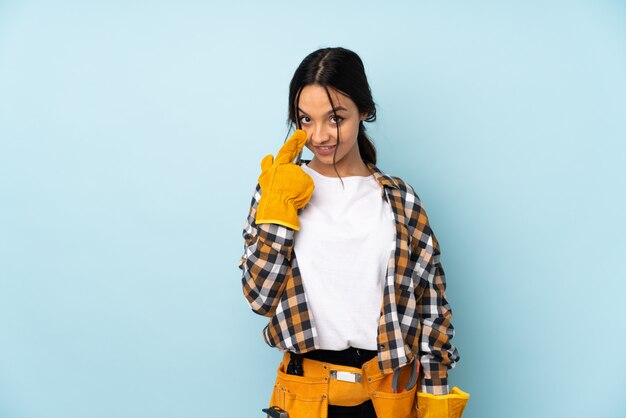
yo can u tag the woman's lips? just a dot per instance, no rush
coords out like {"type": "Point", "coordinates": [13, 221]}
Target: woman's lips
{"type": "Point", "coordinates": [325, 150]}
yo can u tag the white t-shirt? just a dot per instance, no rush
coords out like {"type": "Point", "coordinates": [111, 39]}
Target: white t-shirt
{"type": "Point", "coordinates": [346, 238]}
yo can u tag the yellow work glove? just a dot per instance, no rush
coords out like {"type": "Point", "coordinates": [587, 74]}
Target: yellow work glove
{"type": "Point", "coordinates": [285, 187]}
{"type": "Point", "coordinates": [442, 406]}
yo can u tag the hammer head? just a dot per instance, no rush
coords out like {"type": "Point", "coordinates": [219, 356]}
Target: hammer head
{"type": "Point", "coordinates": [276, 412]}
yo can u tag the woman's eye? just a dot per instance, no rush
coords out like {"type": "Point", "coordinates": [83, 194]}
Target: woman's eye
{"type": "Point", "coordinates": [336, 119]}
{"type": "Point", "coordinates": [305, 119]}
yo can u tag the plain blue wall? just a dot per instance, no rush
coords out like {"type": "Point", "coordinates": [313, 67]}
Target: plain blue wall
{"type": "Point", "coordinates": [130, 142]}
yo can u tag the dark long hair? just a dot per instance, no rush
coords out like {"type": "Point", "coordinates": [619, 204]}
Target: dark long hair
{"type": "Point", "coordinates": [342, 70]}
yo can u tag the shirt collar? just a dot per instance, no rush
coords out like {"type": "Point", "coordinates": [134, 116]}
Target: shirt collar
{"type": "Point", "coordinates": [382, 178]}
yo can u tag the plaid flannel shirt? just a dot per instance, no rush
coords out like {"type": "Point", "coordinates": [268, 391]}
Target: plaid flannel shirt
{"type": "Point", "coordinates": [415, 315]}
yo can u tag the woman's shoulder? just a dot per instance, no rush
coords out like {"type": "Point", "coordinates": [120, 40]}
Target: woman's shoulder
{"type": "Point", "coordinates": [417, 219]}
{"type": "Point", "coordinates": [395, 182]}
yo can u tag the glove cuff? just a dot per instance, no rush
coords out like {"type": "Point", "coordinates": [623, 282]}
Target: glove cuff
{"type": "Point", "coordinates": [277, 211]}
{"type": "Point", "coordinates": [442, 406]}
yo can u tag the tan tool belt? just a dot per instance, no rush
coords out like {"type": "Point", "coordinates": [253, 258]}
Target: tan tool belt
{"type": "Point", "coordinates": [324, 384]}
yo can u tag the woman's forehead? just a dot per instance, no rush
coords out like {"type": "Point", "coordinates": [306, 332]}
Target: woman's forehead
{"type": "Point", "coordinates": [314, 99]}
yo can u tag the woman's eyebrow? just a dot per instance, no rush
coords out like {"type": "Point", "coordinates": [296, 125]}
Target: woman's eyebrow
{"type": "Point", "coordinates": [337, 109]}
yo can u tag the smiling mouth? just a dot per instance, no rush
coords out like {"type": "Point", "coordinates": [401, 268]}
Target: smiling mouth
{"type": "Point", "coordinates": [325, 151]}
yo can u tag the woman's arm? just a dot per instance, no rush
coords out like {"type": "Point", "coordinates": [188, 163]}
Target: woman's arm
{"type": "Point", "coordinates": [265, 261]}
{"type": "Point", "coordinates": [437, 354]}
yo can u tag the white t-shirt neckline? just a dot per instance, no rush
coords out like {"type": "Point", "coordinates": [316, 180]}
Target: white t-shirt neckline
{"type": "Point", "coordinates": [322, 176]}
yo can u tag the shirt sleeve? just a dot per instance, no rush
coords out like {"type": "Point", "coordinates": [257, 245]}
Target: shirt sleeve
{"type": "Point", "coordinates": [265, 261]}
{"type": "Point", "coordinates": [437, 354]}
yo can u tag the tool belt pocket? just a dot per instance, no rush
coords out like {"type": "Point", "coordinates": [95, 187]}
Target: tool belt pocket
{"type": "Point", "coordinates": [390, 404]}
{"type": "Point", "coordinates": [301, 397]}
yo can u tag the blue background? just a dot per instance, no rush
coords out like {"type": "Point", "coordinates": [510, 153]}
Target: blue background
{"type": "Point", "coordinates": [130, 142]}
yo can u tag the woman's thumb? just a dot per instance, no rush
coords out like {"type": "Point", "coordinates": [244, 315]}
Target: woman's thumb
{"type": "Point", "coordinates": [267, 162]}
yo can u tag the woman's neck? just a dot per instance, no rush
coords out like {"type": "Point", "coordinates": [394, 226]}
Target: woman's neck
{"type": "Point", "coordinates": [356, 168]}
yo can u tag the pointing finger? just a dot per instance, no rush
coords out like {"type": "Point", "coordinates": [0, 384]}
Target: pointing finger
{"type": "Point", "coordinates": [292, 147]}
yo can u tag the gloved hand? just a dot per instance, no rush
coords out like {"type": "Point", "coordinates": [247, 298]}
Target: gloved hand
{"type": "Point", "coordinates": [442, 406]}
{"type": "Point", "coordinates": [285, 187]}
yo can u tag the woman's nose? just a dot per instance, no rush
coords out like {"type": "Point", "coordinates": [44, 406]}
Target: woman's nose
{"type": "Point", "coordinates": [319, 135]}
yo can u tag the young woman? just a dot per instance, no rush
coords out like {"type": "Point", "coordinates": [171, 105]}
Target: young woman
{"type": "Point", "coordinates": [341, 258]}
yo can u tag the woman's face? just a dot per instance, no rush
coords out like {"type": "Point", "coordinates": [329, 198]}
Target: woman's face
{"type": "Point", "coordinates": [319, 123]}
